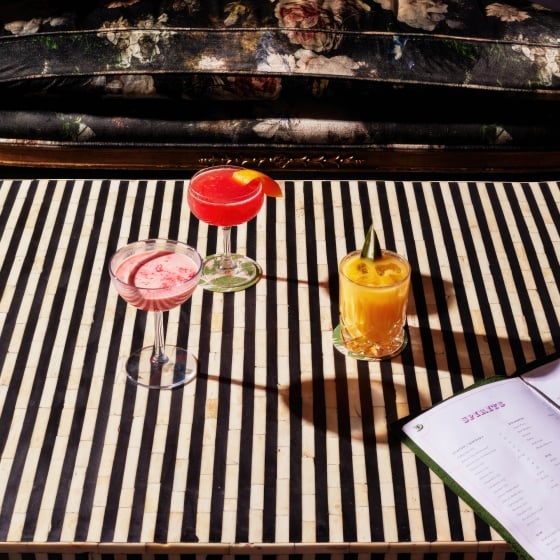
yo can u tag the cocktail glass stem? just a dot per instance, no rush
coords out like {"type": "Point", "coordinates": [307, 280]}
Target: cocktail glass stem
{"type": "Point", "coordinates": [159, 357]}
{"type": "Point", "coordinates": [227, 264]}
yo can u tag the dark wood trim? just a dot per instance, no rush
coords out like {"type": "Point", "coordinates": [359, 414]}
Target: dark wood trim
{"type": "Point", "coordinates": [87, 157]}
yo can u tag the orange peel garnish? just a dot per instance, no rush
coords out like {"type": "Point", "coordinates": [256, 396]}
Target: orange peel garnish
{"type": "Point", "coordinates": [269, 186]}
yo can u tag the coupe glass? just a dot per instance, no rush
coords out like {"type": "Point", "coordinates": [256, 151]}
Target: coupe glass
{"type": "Point", "coordinates": [157, 275]}
{"type": "Point", "coordinates": [216, 198]}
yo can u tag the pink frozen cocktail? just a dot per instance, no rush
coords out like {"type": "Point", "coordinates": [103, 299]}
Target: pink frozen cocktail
{"type": "Point", "coordinates": [158, 281]}
{"type": "Point", "coordinates": [157, 275]}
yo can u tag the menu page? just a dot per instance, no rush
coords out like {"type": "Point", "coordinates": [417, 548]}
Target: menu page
{"type": "Point", "coordinates": [546, 379]}
{"type": "Point", "coordinates": [500, 442]}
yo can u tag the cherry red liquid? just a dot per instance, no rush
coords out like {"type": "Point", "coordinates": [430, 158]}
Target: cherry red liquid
{"type": "Point", "coordinates": [215, 198]}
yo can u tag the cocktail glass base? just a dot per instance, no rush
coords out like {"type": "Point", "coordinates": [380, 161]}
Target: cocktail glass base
{"type": "Point", "coordinates": [238, 273]}
{"type": "Point", "coordinates": [178, 367]}
{"type": "Point", "coordinates": [338, 343]}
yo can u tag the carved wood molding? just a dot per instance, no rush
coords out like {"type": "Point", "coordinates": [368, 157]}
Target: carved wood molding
{"type": "Point", "coordinates": [287, 161]}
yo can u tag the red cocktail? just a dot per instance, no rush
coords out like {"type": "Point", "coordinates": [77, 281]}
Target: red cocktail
{"type": "Point", "coordinates": [227, 196]}
{"type": "Point", "coordinates": [216, 198]}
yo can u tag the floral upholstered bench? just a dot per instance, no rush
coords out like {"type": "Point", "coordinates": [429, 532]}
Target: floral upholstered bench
{"type": "Point", "coordinates": [290, 84]}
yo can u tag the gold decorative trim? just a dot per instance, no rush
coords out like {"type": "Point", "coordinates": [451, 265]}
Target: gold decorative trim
{"type": "Point", "coordinates": [336, 161]}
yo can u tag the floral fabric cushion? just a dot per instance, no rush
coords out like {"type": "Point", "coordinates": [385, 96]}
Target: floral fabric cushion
{"type": "Point", "coordinates": [318, 72]}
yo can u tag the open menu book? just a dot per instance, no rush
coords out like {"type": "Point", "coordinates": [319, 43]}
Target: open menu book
{"type": "Point", "coordinates": [497, 445]}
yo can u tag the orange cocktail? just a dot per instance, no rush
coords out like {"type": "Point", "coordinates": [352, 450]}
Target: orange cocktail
{"type": "Point", "coordinates": [373, 295]}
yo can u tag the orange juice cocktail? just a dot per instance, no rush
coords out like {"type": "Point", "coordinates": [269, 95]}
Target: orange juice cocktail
{"type": "Point", "coordinates": [373, 299]}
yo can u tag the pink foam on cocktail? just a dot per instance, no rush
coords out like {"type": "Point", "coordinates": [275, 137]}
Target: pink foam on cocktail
{"type": "Point", "coordinates": [158, 281]}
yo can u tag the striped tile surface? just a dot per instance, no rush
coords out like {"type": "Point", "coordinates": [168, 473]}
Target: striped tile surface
{"type": "Point", "coordinates": [281, 445]}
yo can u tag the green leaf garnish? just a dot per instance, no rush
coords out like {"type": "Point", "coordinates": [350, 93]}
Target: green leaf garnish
{"type": "Point", "coordinates": [371, 248]}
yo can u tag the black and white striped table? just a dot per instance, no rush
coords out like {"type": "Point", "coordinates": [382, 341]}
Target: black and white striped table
{"type": "Point", "coordinates": [281, 446]}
